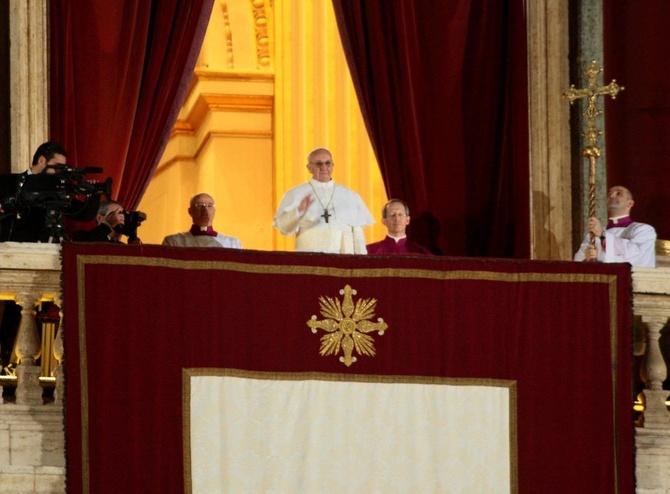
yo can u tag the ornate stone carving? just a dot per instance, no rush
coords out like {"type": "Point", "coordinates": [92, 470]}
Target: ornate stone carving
{"type": "Point", "coordinates": [262, 35]}
{"type": "Point", "coordinates": [228, 35]}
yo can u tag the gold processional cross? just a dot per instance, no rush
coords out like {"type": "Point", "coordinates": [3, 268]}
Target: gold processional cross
{"type": "Point", "coordinates": [592, 151]}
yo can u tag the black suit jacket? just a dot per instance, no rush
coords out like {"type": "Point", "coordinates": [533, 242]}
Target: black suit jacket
{"type": "Point", "coordinates": [99, 233]}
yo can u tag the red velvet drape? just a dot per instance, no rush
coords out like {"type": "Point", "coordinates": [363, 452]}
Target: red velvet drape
{"type": "Point", "coordinates": [119, 74]}
{"type": "Point", "coordinates": [638, 121]}
{"type": "Point", "coordinates": [167, 309]}
{"type": "Point", "coordinates": [443, 90]}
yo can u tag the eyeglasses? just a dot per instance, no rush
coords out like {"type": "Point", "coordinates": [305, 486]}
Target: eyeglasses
{"type": "Point", "coordinates": [322, 163]}
{"type": "Point", "coordinates": [203, 205]}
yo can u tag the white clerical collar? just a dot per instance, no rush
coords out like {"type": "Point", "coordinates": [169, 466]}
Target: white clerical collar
{"type": "Point", "coordinates": [397, 239]}
{"type": "Point", "coordinates": [616, 219]}
{"type": "Point", "coordinates": [322, 185]}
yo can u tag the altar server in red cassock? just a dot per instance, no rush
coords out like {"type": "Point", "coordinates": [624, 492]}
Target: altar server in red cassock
{"type": "Point", "coordinates": [395, 217]}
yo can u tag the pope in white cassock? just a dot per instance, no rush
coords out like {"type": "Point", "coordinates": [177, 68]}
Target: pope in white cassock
{"type": "Point", "coordinates": [324, 216]}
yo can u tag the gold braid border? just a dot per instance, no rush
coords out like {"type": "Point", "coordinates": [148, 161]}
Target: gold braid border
{"type": "Point", "coordinates": [84, 260]}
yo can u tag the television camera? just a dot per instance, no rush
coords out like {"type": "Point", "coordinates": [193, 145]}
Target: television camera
{"type": "Point", "coordinates": [131, 220]}
{"type": "Point", "coordinates": [64, 193]}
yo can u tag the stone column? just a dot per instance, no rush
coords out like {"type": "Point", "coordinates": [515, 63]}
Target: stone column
{"type": "Point", "coordinates": [28, 389]}
{"type": "Point", "coordinates": [59, 353]}
{"type": "Point", "coordinates": [654, 373]}
{"type": "Point", "coordinates": [548, 113]}
{"type": "Point", "coordinates": [29, 83]}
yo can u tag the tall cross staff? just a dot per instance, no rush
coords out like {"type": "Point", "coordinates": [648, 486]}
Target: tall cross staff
{"type": "Point", "coordinates": [592, 152]}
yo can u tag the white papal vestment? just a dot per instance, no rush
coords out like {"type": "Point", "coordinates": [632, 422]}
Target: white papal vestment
{"type": "Point", "coordinates": [347, 214]}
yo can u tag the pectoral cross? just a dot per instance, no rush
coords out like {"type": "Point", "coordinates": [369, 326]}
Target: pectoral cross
{"type": "Point", "coordinates": [326, 215]}
{"type": "Point", "coordinates": [592, 151]}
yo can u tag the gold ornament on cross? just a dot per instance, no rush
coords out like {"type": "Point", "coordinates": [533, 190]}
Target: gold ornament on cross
{"type": "Point", "coordinates": [592, 152]}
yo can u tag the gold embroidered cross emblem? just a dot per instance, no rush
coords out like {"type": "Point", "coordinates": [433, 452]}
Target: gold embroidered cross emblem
{"type": "Point", "coordinates": [347, 326]}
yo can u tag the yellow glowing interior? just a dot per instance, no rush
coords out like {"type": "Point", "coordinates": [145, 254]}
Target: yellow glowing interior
{"type": "Point", "coordinates": [271, 83]}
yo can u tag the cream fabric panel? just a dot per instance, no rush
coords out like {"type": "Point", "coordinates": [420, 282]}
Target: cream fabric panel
{"type": "Point", "coordinates": [255, 436]}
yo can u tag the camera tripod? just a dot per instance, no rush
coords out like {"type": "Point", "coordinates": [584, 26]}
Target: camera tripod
{"type": "Point", "coordinates": [53, 222]}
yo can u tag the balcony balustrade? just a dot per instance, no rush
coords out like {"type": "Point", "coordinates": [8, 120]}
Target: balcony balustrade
{"type": "Point", "coordinates": [32, 456]}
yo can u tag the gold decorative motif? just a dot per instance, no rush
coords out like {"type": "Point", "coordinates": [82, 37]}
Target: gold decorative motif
{"type": "Point", "coordinates": [347, 326]}
{"type": "Point", "coordinates": [663, 247]}
{"type": "Point", "coordinates": [228, 34]}
{"type": "Point", "coordinates": [262, 33]}
{"type": "Point", "coordinates": [591, 93]}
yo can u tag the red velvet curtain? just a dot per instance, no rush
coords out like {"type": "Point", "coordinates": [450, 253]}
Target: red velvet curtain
{"type": "Point", "coordinates": [638, 121]}
{"type": "Point", "coordinates": [119, 73]}
{"type": "Point", "coordinates": [443, 89]}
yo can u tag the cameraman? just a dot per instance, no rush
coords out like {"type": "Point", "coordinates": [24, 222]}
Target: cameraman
{"type": "Point", "coordinates": [111, 221]}
{"type": "Point", "coordinates": [33, 222]}
{"type": "Point", "coordinates": [28, 225]}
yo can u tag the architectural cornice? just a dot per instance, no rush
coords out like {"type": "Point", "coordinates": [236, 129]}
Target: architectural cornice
{"type": "Point", "coordinates": [208, 103]}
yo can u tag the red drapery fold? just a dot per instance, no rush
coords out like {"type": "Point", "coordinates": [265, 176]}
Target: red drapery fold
{"type": "Point", "coordinates": [638, 121]}
{"type": "Point", "coordinates": [443, 90]}
{"type": "Point", "coordinates": [119, 74]}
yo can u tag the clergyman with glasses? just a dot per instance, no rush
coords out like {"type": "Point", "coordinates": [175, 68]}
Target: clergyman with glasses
{"type": "Point", "coordinates": [202, 209]}
{"type": "Point", "coordinates": [324, 216]}
{"type": "Point", "coordinates": [395, 217]}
